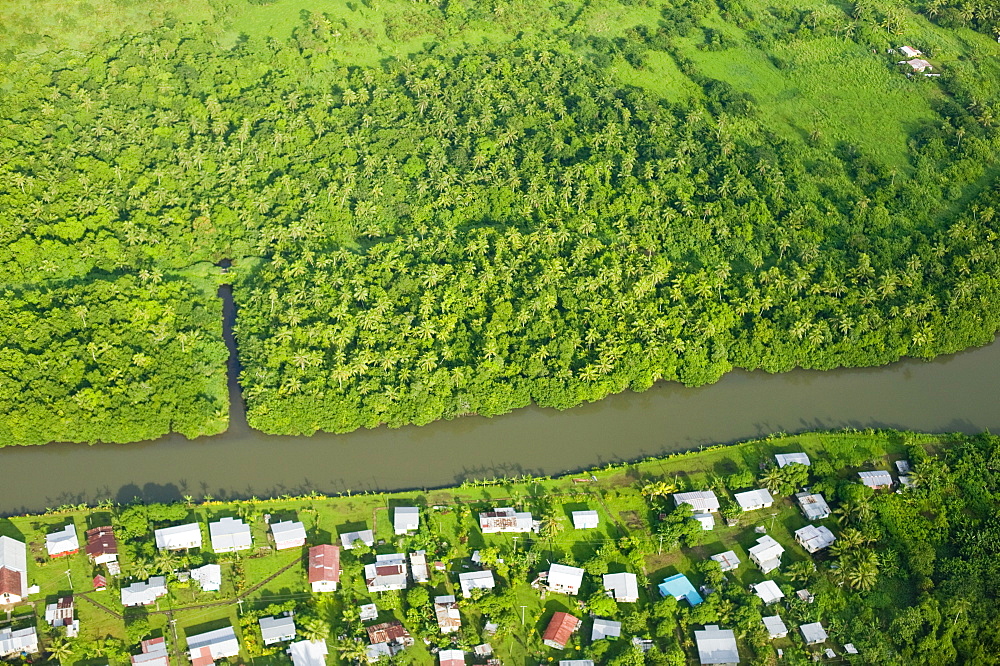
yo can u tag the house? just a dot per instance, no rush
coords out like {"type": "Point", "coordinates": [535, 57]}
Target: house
{"type": "Point", "coordinates": [405, 519]}
{"type": "Point", "coordinates": [154, 653]}
{"type": "Point", "coordinates": [850, 649]}
{"type": "Point", "coordinates": [13, 571]}
{"type": "Point", "coordinates": [505, 519]}
{"type": "Point", "coordinates": [277, 629]}
{"type": "Point", "coordinates": [392, 632]}
{"type": "Point", "coordinates": [917, 64]}
{"type": "Point", "coordinates": [876, 480]}
{"type": "Point", "coordinates": [208, 577]}
{"type": "Point", "coordinates": [348, 539]}
{"type": "Point", "coordinates": [564, 579]}
{"type": "Point", "coordinates": [368, 612]}
{"type": "Point", "coordinates": [813, 506]}
{"type": "Point", "coordinates": [624, 587]}
{"type": "Point", "coordinates": [792, 459]}
{"type": "Point", "coordinates": [813, 633]}
{"type": "Point", "coordinates": [483, 650]}
{"type": "Point", "coordinates": [679, 587]}
{"type": "Point", "coordinates": [814, 538]}
{"type": "Point", "coordinates": [102, 546]}
{"type": "Point", "coordinates": [727, 560]}
{"type": "Point", "coordinates": [229, 535]}
{"type": "Point", "coordinates": [560, 629]}
{"type": "Point", "coordinates": [324, 568]}
{"type": "Point", "coordinates": [62, 542]}
{"type": "Point", "coordinates": [905, 482]}
{"type": "Point", "coordinates": [308, 653]}
{"type": "Point", "coordinates": [100, 583]}
{"type": "Point", "coordinates": [446, 611]}
{"type": "Point", "coordinates": [179, 537]}
{"type": "Point", "coordinates": [910, 52]}
{"type": "Point", "coordinates": [205, 649]}
{"type": "Point", "coordinates": [605, 629]}
{"type": "Point", "coordinates": [288, 534]}
{"type": "Point", "coordinates": [701, 501]}
{"type": "Point", "coordinates": [375, 651]}
{"type": "Point", "coordinates": [585, 520]}
{"type": "Point", "coordinates": [387, 573]}
{"type": "Point", "coordinates": [768, 591]}
{"type": "Point", "coordinates": [17, 642]}
{"type": "Point", "coordinates": [60, 614]}
{"type": "Point", "coordinates": [452, 657]}
{"type": "Point", "coordinates": [144, 593]}
{"type": "Point", "coordinates": [903, 466]}
{"type": "Point", "coordinates": [766, 554]}
{"type": "Point", "coordinates": [804, 595]}
{"type": "Point", "coordinates": [418, 567]}
{"type": "Point", "coordinates": [717, 646]}
{"type": "Point", "coordinates": [706, 520]}
{"type": "Point", "coordinates": [752, 500]}
{"type": "Point", "coordinates": [475, 580]}
{"type": "Point", "coordinates": [775, 627]}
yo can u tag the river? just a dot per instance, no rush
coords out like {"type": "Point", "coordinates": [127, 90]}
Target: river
{"type": "Point", "coordinates": [953, 393]}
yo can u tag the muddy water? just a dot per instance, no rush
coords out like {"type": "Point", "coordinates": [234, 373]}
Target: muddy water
{"type": "Point", "coordinates": [955, 393]}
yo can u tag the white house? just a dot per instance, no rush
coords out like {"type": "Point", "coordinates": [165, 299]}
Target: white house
{"type": "Point", "coordinates": [717, 646]}
{"type": "Point", "coordinates": [418, 567]}
{"type": "Point", "coordinates": [446, 611]}
{"type": "Point", "coordinates": [60, 614]}
{"type": "Point", "coordinates": [585, 520]}
{"type": "Point", "coordinates": [475, 580]}
{"type": "Point", "coordinates": [208, 577]}
{"type": "Point", "coordinates": [766, 554]}
{"type": "Point", "coordinates": [451, 658]}
{"type": "Point", "coordinates": [62, 542]}
{"type": "Point", "coordinates": [813, 633]}
{"type": "Point", "coordinates": [775, 627]}
{"type": "Point", "coordinates": [700, 500]}
{"type": "Point", "coordinates": [910, 52]}
{"type": "Point", "coordinates": [288, 534]}
{"type": "Point", "coordinates": [564, 579]}
{"type": "Point", "coordinates": [229, 535]}
{"type": "Point", "coordinates": [917, 64]}
{"type": "Point", "coordinates": [204, 649]}
{"type": "Point", "coordinates": [624, 587]}
{"type": "Point", "coordinates": [728, 560]}
{"type": "Point", "coordinates": [387, 573]}
{"type": "Point", "coordinates": [877, 479]}
{"type": "Point", "coordinates": [145, 592]}
{"type": "Point", "coordinates": [16, 642]}
{"type": "Point", "coordinates": [348, 539]}
{"type": "Point", "coordinates": [813, 506]}
{"type": "Point", "coordinates": [406, 519]}
{"type": "Point", "coordinates": [277, 629]}
{"type": "Point", "coordinates": [308, 653]}
{"type": "Point", "coordinates": [768, 591]}
{"type": "Point", "coordinates": [752, 500]}
{"type": "Point", "coordinates": [154, 653]}
{"type": "Point", "coordinates": [792, 459]}
{"type": "Point", "coordinates": [367, 612]}
{"type": "Point", "coordinates": [324, 568]}
{"type": "Point", "coordinates": [814, 538]}
{"type": "Point", "coordinates": [505, 519]}
{"type": "Point", "coordinates": [13, 571]}
{"type": "Point", "coordinates": [605, 629]}
{"type": "Point", "coordinates": [179, 537]}
{"type": "Point", "coordinates": [706, 520]}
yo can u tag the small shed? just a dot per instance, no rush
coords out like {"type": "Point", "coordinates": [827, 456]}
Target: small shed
{"type": "Point", "coordinates": [405, 519]}
{"type": "Point", "coordinates": [368, 612]}
{"type": "Point", "coordinates": [813, 633]}
{"type": "Point", "coordinates": [728, 560]}
{"type": "Point", "coordinates": [768, 591]}
{"type": "Point", "coordinates": [775, 627]}
{"type": "Point", "coordinates": [585, 520]}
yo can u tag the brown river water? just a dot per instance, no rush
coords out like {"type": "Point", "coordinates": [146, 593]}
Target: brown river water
{"type": "Point", "coordinates": [952, 393]}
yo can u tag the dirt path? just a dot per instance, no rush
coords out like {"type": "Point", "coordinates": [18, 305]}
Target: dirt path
{"type": "Point", "coordinates": [83, 595]}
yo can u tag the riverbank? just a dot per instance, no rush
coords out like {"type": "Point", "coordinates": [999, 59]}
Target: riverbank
{"type": "Point", "coordinates": [625, 496]}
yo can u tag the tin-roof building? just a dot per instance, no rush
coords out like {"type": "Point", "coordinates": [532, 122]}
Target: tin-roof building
{"type": "Point", "coordinates": [624, 587]}
{"type": "Point", "coordinates": [348, 539]}
{"type": "Point", "coordinates": [154, 653]}
{"type": "Point", "coordinates": [179, 537]}
{"type": "Point", "coordinates": [560, 629]}
{"type": "Point", "coordinates": [288, 534]}
{"type": "Point", "coordinates": [18, 641]}
{"type": "Point", "coordinates": [418, 567]}
{"type": "Point", "coordinates": [813, 506]}
{"type": "Point", "coordinates": [102, 546]}
{"type": "Point", "coordinates": [446, 611]}
{"type": "Point", "coordinates": [204, 649]}
{"type": "Point", "coordinates": [877, 479]}
{"type": "Point", "coordinates": [784, 459]}
{"type": "Point", "coordinates": [766, 554]}
{"type": "Point", "coordinates": [144, 593]}
{"type": "Point", "coordinates": [229, 535]}
{"type": "Point", "coordinates": [208, 577]}
{"type": "Point", "coordinates": [768, 591]}
{"type": "Point", "coordinates": [277, 629]}
{"type": "Point", "coordinates": [605, 629]}
{"type": "Point", "coordinates": [387, 573]}
{"type": "Point", "coordinates": [727, 560]}
{"type": "Point", "coordinates": [475, 580]}
{"type": "Point", "coordinates": [717, 646]}
{"type": "Point", "coordinates": [700, 500]}
{"type": "Point", "coordinates": [752, 500]}
{"type": "Point", "coordinates": [324, 568]}
{"type": "Point", "coordinates": [679, 587]}
{"type": "Point", "coordinates": [13, 571]}
{"type": "Point", "coordinates": [451, 658]}
{"type": "Point", "coordinates": [775, 627]}
{"type": "Point", "coordinates": [585, 520]}
{"type": "Point", "coordinates": [813, 633]}
{"type": "Point", "coordinates": [505, 519]}
{"type": "Point", "coordinates": [564, 579]}
{"type": "Point", "coordinates": [814, 538]}
{"type": "Point", "coordinates": [62, 542]}
{"type": "Point", "coordinates": [706, 520]}
{"type": "Point", "coordinates": [405, 519]}
{"type": "Point", "coordinates": [308, 653]}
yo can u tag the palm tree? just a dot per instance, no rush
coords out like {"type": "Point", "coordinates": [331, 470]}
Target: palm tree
{"type": "Point", "coordinates": [166, 561]}
{"type": "Point", "coordinates": [801, 571]}
{"type": "Point", "coordinates": [141, 568]}
{"type": "Point", "coordinates": [859, 569]}
{"type": "Point", "coordinates": [848, 540]}
{"type": "Point", "coordinates": [315, 629]}
{"type": "Point", "coordinates": [772, 479]}
{"type": "Point", "coordinates": [353, 651]}
{"type": "Point", "coordinates": [62, 649]}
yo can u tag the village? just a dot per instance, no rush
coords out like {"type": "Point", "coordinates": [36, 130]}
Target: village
{"type": "Point", "coordinates": [480, 580]}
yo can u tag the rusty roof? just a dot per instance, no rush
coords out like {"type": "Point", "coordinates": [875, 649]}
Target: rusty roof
{"type": "Point", "coordinates": [324, 563]}
{"type": "Point", "coordinates": [561, 627]}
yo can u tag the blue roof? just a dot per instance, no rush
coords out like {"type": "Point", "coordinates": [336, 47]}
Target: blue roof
{"type": "Point", "coordinates": [679, 587]}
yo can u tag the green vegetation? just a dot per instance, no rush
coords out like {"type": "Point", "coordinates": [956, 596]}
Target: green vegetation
{"type": "Point", "coordinates": [442, 209]}
{"type": "Point", "coordinates": [910, 580]}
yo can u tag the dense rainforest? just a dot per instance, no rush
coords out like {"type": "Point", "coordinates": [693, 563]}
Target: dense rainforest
{"type": "Point", "coordinates": [468, 223]}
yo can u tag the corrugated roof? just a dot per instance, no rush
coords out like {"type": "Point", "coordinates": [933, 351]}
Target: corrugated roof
{"type": "Point", "coordinates": [324, 563]}
{"type": "Point", "coordinates": [560, 628]}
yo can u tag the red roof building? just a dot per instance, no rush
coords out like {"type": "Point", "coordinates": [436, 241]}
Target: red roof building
{"type": "Point", "coordinates": [324, 568]}
{"type": "Point", "coordinates": [389, 632]}
{"type": "Point", "coordinates": [202, 657]}
{"type": "Point", "coordinates": [102, 546]}
{"type": "Point", "coordinates": [100, 583]}
{"type": "Point", "coordinates": [10, 583]}
{"type": "Point", "coordinates": [561, 627]}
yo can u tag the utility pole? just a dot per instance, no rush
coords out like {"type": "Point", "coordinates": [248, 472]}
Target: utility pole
{"type": "Point", "coordinates": [240, 602]}
{"type": "Point", "coordinates": [660, 549]}
{"type": "Point", "coordinates": [522, 615]}
{"type": "Point", "coordinates": [515, 537]}
{"type": "Point", "coordinates": [69, 578]}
